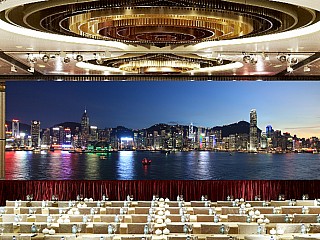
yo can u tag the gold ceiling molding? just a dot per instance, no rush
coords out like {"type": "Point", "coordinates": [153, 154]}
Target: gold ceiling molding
{"type": "Point", "coordinates": [143, 26]}
{"type": "Point", "coordinates": [167, 22]}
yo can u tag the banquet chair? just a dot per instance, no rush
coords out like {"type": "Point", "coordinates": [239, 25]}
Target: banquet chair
{"type": "Point", "coordinates": [224, 203]}
{"type": "Point", "coordinates": [250, 228]}
{"type": "Point", "coordinates": [200, 210]}
{"type": "Point", "coordinates": [112, 210]}
{"type": "Point", "coordinates": [135, 228]}
{"type": "Point", "coordinates": [76, 218]}
{"type": "Point", "coordinates": [256, 237]}
{"type": "Point", "coordinates": [41, 218]}
{"type": "Point", "coordinates": [205, 218]}
{"type": "Point", "coordinates": [175, 227]}
{"type": "Point", "coordinates": [135, 237]}
{"type": "Point", "coordinates": [229, 210]}
{"type": "Point", "coordinates": [219, 237]}
{"type": "Point", "coordinates": [67, 227]}
{"type": "Point", "coordinates": [107, 218]}
{"type": "Point", "coordinates": [139, 218]}
{"type": "Point", "coordinates": [198, 203]}
{"type": "Point", "coordinates": [314, 210]}
{"type": "Point", "coordinates": [236, 218]}
{"type": "Point", "coordinates": [174, 218]}
{"type": "Point", "coordinates": [7, 227]}
{"type": "Point", "coordinates": [264, 210]}
{"type": "Point", "coordinates": [291, 209]}
{"type": "Point", "coordinates": [305, 203]}
{"type": "Point", "coordinates": [279, 203]}
{"type": "Point", "coordinates": [58, 237]}
{"type": "Point", "coordinates": [174, 210]}
{"type": "Point", "coordinates": [214, 228]}
{"type": "Point", "coordinates": [9, 237]}
{"type": "Point", "coordinates": [144, 204]}
{"type": "Point", "coordinates": [141, 210]}
{"type": "Point", "coordinates": [275, 218]}
{"type": "Point", "coordinates": [100, 228]}
{"type": "Point", "coordinates": [255, 203]}
{"type": "Point", "coordinates": [289, 227]}
{"type": "Point", "coordinates": [305, 218]}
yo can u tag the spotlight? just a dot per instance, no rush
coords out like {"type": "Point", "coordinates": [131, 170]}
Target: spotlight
{"type": "Point", "coordinates": [246, 57]}
{"type": "Point", "coordinates": [253, 59]}
{"type": "Point", "coordinates": [292, 60]}
{"type": "Point", "coordinates": [99, 60]}
{"type": "Point", "coordinates": [79, 58]}
{"type": "Point", "coordinates": [289, 69]}
{"type": "Point", "coordinates": [31, 69]}
{"type": "Point", "coordinates": [13, 69]}
{"type": "Point", "coordinates": [282, 58]}
{"type": "Point", "coordinates": [45, 58]}
{"type": "Point", "coordinates": [219, 61]}
{"type": "Point", "coordinates": [66, 59]}
{"type": "Point", "coordinates": [306, 69]}
{"type": "Point", "coordinates": [32, 58]}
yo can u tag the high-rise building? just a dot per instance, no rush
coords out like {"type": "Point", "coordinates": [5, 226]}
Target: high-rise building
{"type": "Point", "coordinates": [46, 137]}
{"type": "Point", "coordinates": [253, 131]}
{"type": "Point", "coordinates": [15, 128]}
{"type": "Point", "coordinates": [35, 133]}
{"type": "Point", "coordinates": [67, 138]}
{"type": "Point", "coordinates": [56, 135]}
{"type": "Point", "coordinates": [269, 131]}
{"type": "Point", "coordinates": [93, 133]}
{"type": "Point", "coordinates": [85, 128]}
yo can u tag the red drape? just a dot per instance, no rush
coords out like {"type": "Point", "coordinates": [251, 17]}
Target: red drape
{"type": "Point", "coordinates": [144, 189]}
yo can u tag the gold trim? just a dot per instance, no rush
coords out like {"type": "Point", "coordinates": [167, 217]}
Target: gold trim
{"type": "Point", "coordinates": [221, 26]}
{"type": "Point", "coordinates": [2, 86]}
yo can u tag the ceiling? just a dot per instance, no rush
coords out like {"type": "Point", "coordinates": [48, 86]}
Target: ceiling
{"type": "Point", "coordinates": [159, 40]}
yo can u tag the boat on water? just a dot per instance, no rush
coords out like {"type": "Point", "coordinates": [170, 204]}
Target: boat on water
{"type": "Point", "coordinates": [76, 150]}
{"type": "Point", "coordinates": [146, 161]}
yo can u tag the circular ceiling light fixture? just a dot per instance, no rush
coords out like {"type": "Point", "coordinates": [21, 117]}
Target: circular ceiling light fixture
{"type": "Point", "coordinates": [155, 63]}
{"type": "Point", "coordinates": [161, 23]}
{"type": "Point", "coordinates": [45, 58]}
{"type": "Point", "coordinates": [79, 58]}
{"type": "Point", "coordinates": [66, 59]}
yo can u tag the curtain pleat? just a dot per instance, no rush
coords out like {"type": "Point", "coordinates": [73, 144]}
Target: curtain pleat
{"type": "Point", "coordinates": [144, 189]}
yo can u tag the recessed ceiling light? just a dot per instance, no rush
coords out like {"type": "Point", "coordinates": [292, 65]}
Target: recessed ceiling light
{"type": "Point", "coordinates": [19, 46]}
{"type": "Point", "coordinates": [29, 48]}
{"type": "Point", "coordinates": [41, 66]}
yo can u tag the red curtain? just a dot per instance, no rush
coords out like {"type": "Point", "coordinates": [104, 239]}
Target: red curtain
{"type": "Point", "coordinates": [144, 189]}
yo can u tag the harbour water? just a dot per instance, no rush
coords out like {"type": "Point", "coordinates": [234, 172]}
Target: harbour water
{"type": "Point", "coordinates": [126, 165]}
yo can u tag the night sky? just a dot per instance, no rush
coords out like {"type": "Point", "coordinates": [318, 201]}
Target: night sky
{"type": "Point", "coordinates": [287, 106]}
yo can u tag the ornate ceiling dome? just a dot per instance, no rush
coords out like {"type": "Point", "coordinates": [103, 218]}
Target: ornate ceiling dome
{"type": "Point", "coordinates": [161, 23]}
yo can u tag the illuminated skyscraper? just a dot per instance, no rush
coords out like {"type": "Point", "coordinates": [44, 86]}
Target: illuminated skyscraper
{"type": "Point", "coordinates": [67, 139]}
{"type": "Point", "coordinates": [55, 135]}
{"type": "Point", "coordinates": [35, 133]}
{"type": "Point", "coordinates": [269, 131]}
{"type": "Point", "coordinates": [85, 128]}
{"type": "Point", "coordinates": [253, 131]}
{"type": "Point", "coordinates": [93, 133]}
{"type": "Point", "coordinates": [15, 128]}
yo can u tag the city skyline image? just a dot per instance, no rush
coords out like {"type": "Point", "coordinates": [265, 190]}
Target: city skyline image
{"type": "Point", "coordinates": [288, 106]}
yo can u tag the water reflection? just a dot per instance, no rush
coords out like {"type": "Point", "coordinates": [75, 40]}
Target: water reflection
{"type": "Point", "coordinates": [125, 165]}
{"type": "Point", "coordinates": [180, 165]}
